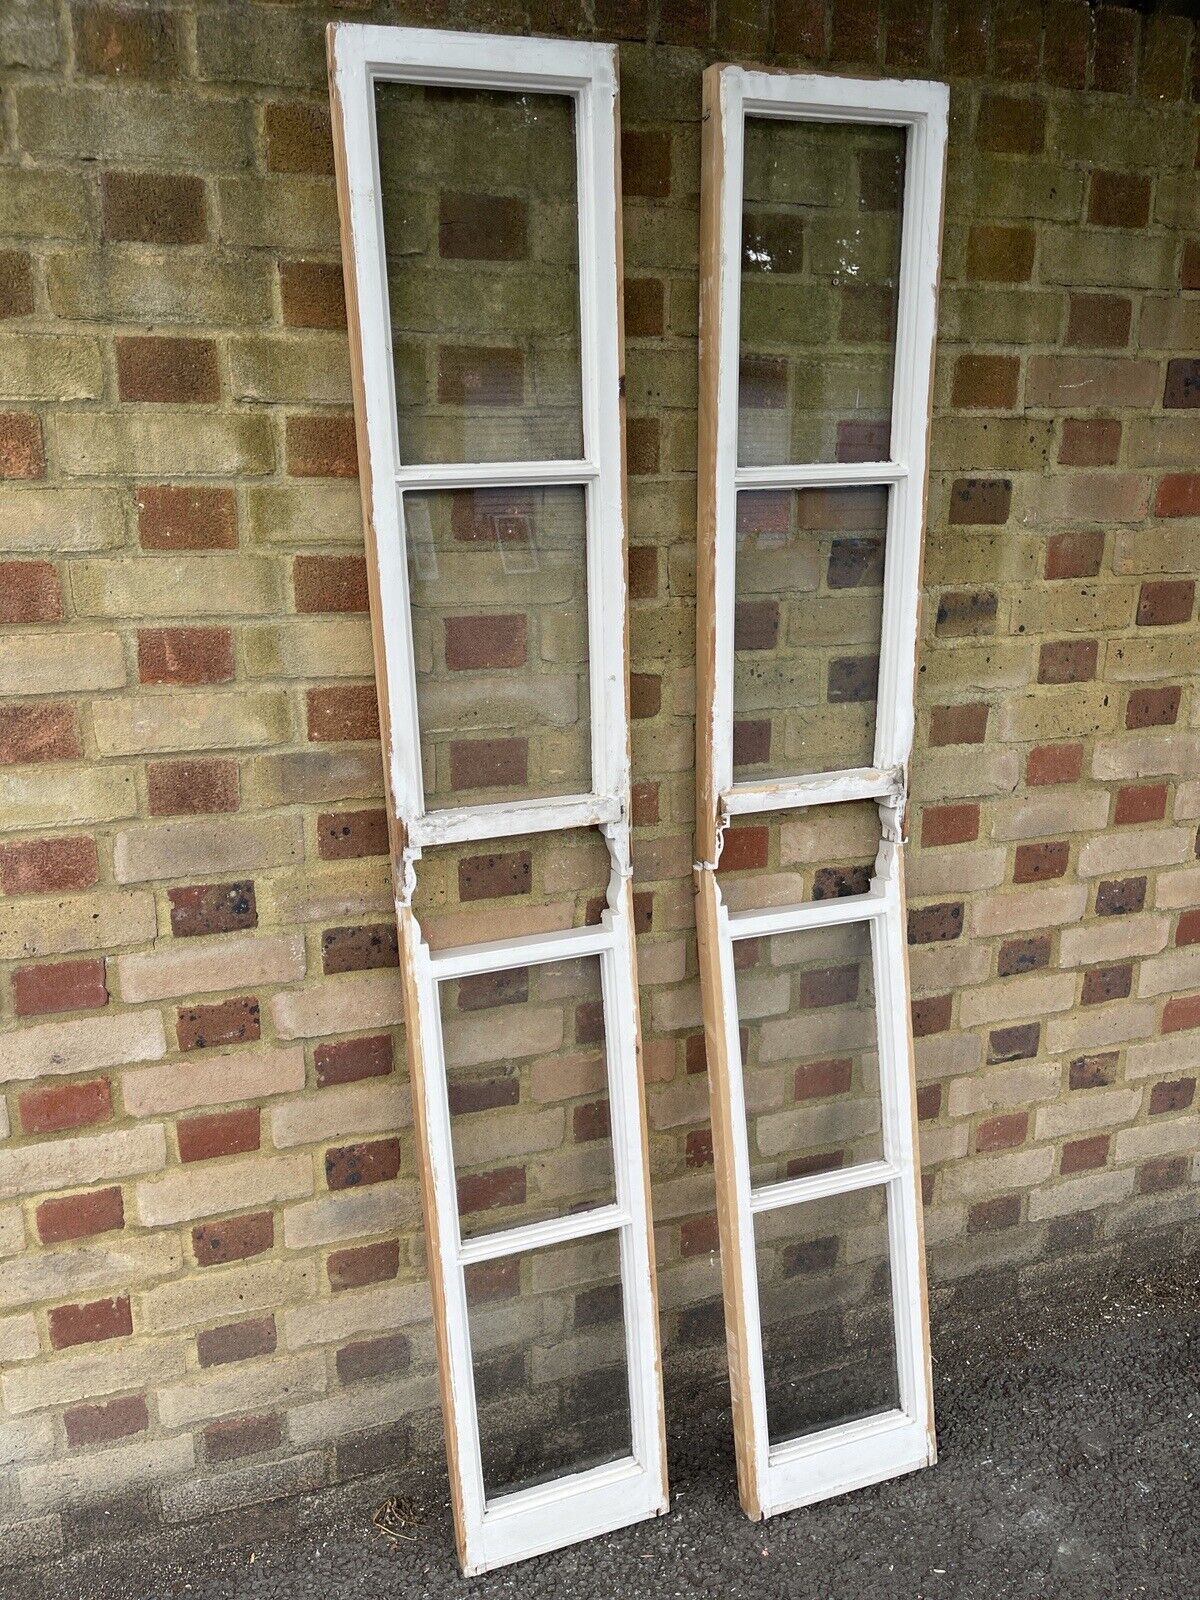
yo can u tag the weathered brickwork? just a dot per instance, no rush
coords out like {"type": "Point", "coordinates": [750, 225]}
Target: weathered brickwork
{"type": "Point", "coordinates": [211, 1269]}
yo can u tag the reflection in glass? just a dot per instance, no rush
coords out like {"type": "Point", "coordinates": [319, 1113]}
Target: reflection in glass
{"type": "Point", "coordinates": [499, 608]}
{"type": "Point", "coordinates": [808, 621]}
{"type": "Point", "coordinates": [480, 224]}
{"type": "Point", "coordinates": [548, 1353]}
{"type": "Point", "coordinates": [825, 1298]}
{"type": "Point", "coordinates": [529, 1111]}
{"type": "Point", "coordinates": [821, 215]}
{"type": "Point", "coordinates": [806, 1009]}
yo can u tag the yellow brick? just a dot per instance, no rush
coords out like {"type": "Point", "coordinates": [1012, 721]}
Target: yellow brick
{"type": "Point", "coordinates": [182, 444]}
{"type": "Point", "coordinates": [191, 719]}
{"type": "Point", "coordinates": [311, 513]}
{"type": "Point", "coordinates": [91, 1158]}
{"type": "Point", "coordinates": [65, 796]}
{"type": "Point", "coordinates": [196, 849]}
{"type": "Point", "coordinates": [85, 1044]}
{"type": "Point", "coordinates": [212, 1080]}
{"type": "Point", "coordinates": [73, 923]}
{"type": "Point", "coordinates": [49, 367]}
{"type": "Point", "coordinates": [337, 1005]}
{"type": "Point", "coordinates": [198, 966]}
{"type": "Point", "coordinates": [59, 663]}
{"type": "Point", "coordinates": [36, 520]}
{"type": "Point", "coordinates": [310, 647]}
{"type": "Point", "coordinates": [176, 586]}
{"type": "Point", "coordinates": [198, 1190]}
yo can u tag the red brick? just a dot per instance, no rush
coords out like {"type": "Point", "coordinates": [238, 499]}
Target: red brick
{"type": "Point", "coordinates": [929, 1102]}
{"type": "Point", "coordinates": [22, 453]}
{"type": "Point", "coordinates": [935, 924]}
{"type": "Point", "coordinates": [1004, 1132]}
{"type": "Point", "coordinates": [1094, 1072]}
{"type": "Point", "coordinates": [480, 375]}
{"type": "Point", "coordinates": [1103, 984]}
{"type": "Point", "coordinates": [1119, 897]}
{"type": "Point", "coordinates": [1190, 271]}
{"type": "Point", "coordinates": [751, 743]}
{"type": "Point", "coordinates": [1019, 1043]}
{"type": "Point", "coordinates": [1181, 1013]}
{"type": "Point", "coordinates": [483, 643]}
{"type": "Point", "coordinates": [167, 371]}
{"type": "Point", "coordinates": [1023, 955]}
{"type": "Point", "coordinates": [1118, 199]}
{"type": "Point", "coordinates": [698, 1150]}
{"type": "Point", "coordinates": [353, 1166]}
{"type": "Point", "coordinates": [220, 1133]}
{"type": "Point", "coordinates": [1017, 41]}
{"type": "Point", "coordinates": [1010, 126]}
{"type": "Point", "coordinates": [177, 518]}
{"type": "Point", "coordinates": [958, 724]}
{"type": "Point", "coordinates": [1000, 255]}
{"type": "Point", "coordinates": [236, 1341]}
{"type": "Point", "coordinates": [153, 208]}
{"type": "Point", "coordinates": [1035, 863]}
{"type": "Point", "coordinates": [48, 866]}
{"type": "Point", "coordinates": [489, 763]}
{"type": "Point", "coordinates": [234, 1239]}
{"type": "Point", "coordinates": [1145, 802]}
{"type": "Point", "coordinates": [119, 41]}
{"type": "Point", "coordinates": [1082, 1155]}
{"type": "Point", "coordinates": [321, 447]}
{"type": "Point", "coordinates": [590, 1122]}
{"type": "Point", "coordinates": [349, 1060]}
{"type": "Point", "coordinates": [106, 1420]}
{"type": "Point", "coordinates": [312, 294]}
{"type": "Point", "coordinates": [1178, 495]}
{"type": "Point", "coordinates": [1165, 1172]}
{"type": "Point", "coordinates": [1172, 1094]}
{"type": "Point", "coordinates": [16, 284]}
{"type": "Point", "coordinates": [191, 788]}
{"type": "Point", "coordinates": [46, 732]}
{"type": "Point", "coordinates": [482, 227]}
{"type": "Point", "coordinates": [980, 501]}
{"type": "Point", "coordinates": [493, 876]}
{"type": "Point", "coordinates": [359, 949]}
{"type": "Point", "coordinates": [1054, 763]}
{"type": "Point", "coordinates": [91, 1323]}
{"type": "Point", "coordinates": [234, 1437]}
{"type": "Point", "coordinates": [1163, 604]}
{"type": "Point", "coordinates": [345, 835]}
{"type": "Point", "coordinates": [493, 1280]}
{"type": "Point", "coordinates": [330, 583]}
{"type": "Point", "coordinates": [1099, 321]}
{"type": "Point", "coordinates": [30, 592]}
{"type": "Point", "coordinates": [222, 1022]}
{"type": "Point", "coordinates": [990, 1216]}
{"type": "Point", "coordinates": [1090, 442]}
{"type": "Point", "coordinates": [745, 848]}
{"type": "Point", "coordinates": [986, 382]}
{"type": "Point", "coordinates": [646, 163]}
{"type": "Point", "coordinates": [1074, 555]}
{"type": "Point", "coordinates": [373, 1358]}
{"type": "Point", "coordinates": [486, 990]}
{"type": "Point", "coordinates": [931, 1015]}
{"type": "Point", "coordinates": [299, 138]}
{"type": "Point", "coordinates": [185, 655]}
{"type": "Point", "coordinates": [1114, 56]}
{"type": "Point", "coordinates": [643, 308]}
{"type": "Point", "coordinates": [645, 695]}
{"type": "Point", "coordinates": [642, 442]}
{"type": "Point", "coordinates": [1182, 388]}
{"type": "Point", "coordinates": [203, 908]}
{"type": "Point", "coordinates": [1068, 661]}
{"type": "Point", "coordinates": [819, 1080]}
{"type": "Point", "coordinates": [644, 805]}
{"type": "Point", "coordinates": [59, 986]}
{"type": "Point", "coordinates": [1188, 931]}
{"type": "Point", "coordinates": [967, 614]}
{"type": "Point", "coordinates": [361, 1264]}
{"type": "Point", "coordinates": [487, 1191]}
{"type": "Point", "coordinates": [699, 1236]}
{"type": "Point", "coordinates": [827, 986]}
{"type": "Point", "coordinates": [66, 1105]}
{"type": "Point", "coordinates": [344, 711]}
{"type": "Point", "coordinates": [949, 824]}
{"type": "Point", "coordinates": [80, 1216]}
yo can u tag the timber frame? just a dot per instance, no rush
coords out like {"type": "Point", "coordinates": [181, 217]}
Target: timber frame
{"type": "Point", "coordinates": [491, 1531]}
{"type": "Point", "coordinates": [793, 1472]}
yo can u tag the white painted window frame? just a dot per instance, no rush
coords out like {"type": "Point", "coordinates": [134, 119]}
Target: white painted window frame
{"type": "Point", "coordinates": [526, 1522]}
{"type": "Point", "coordinates": [797, 1472]}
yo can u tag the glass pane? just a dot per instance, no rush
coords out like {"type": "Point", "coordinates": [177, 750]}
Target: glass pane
{"type": "Point", "coordinates": [825, 1297]}
{"type": "Point", "coordinates": [808, 620]}
{"type": "Point", "coordinates": [480, 226]}
{"type": "Point", "coordinates": [548, 1349]}
{"type": "Point", "coordinates": [821, 213]}
{"type": "Point", "coordinates": [806, 1005]}
{"type": "Point", "coordinates": [498, 579]}
{"type": "Point", "coordinates": [529, 1115]}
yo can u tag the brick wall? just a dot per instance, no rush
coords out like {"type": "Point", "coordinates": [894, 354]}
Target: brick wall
{"type": "Point", "coordinates": [210, 1262]}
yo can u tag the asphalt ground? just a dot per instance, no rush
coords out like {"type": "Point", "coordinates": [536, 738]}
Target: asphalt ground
{"type": "Point", "coordinates": [1069, 1467]}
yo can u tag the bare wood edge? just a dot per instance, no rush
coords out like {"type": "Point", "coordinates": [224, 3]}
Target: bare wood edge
{"type": "Point", "coordinates": [733, 1283]}
{"type": "Point", "coordinates": [712, 172]}
{"type": "Point", "coordinates": [407, 927]}
{"type": "Point", "coordinates": [640, 1085]}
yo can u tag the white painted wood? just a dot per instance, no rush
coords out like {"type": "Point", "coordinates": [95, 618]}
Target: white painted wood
{"type": "Point", "coordinates": [512, 1526]}
{"type": "Point", "coordinates": [835, 1459]}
